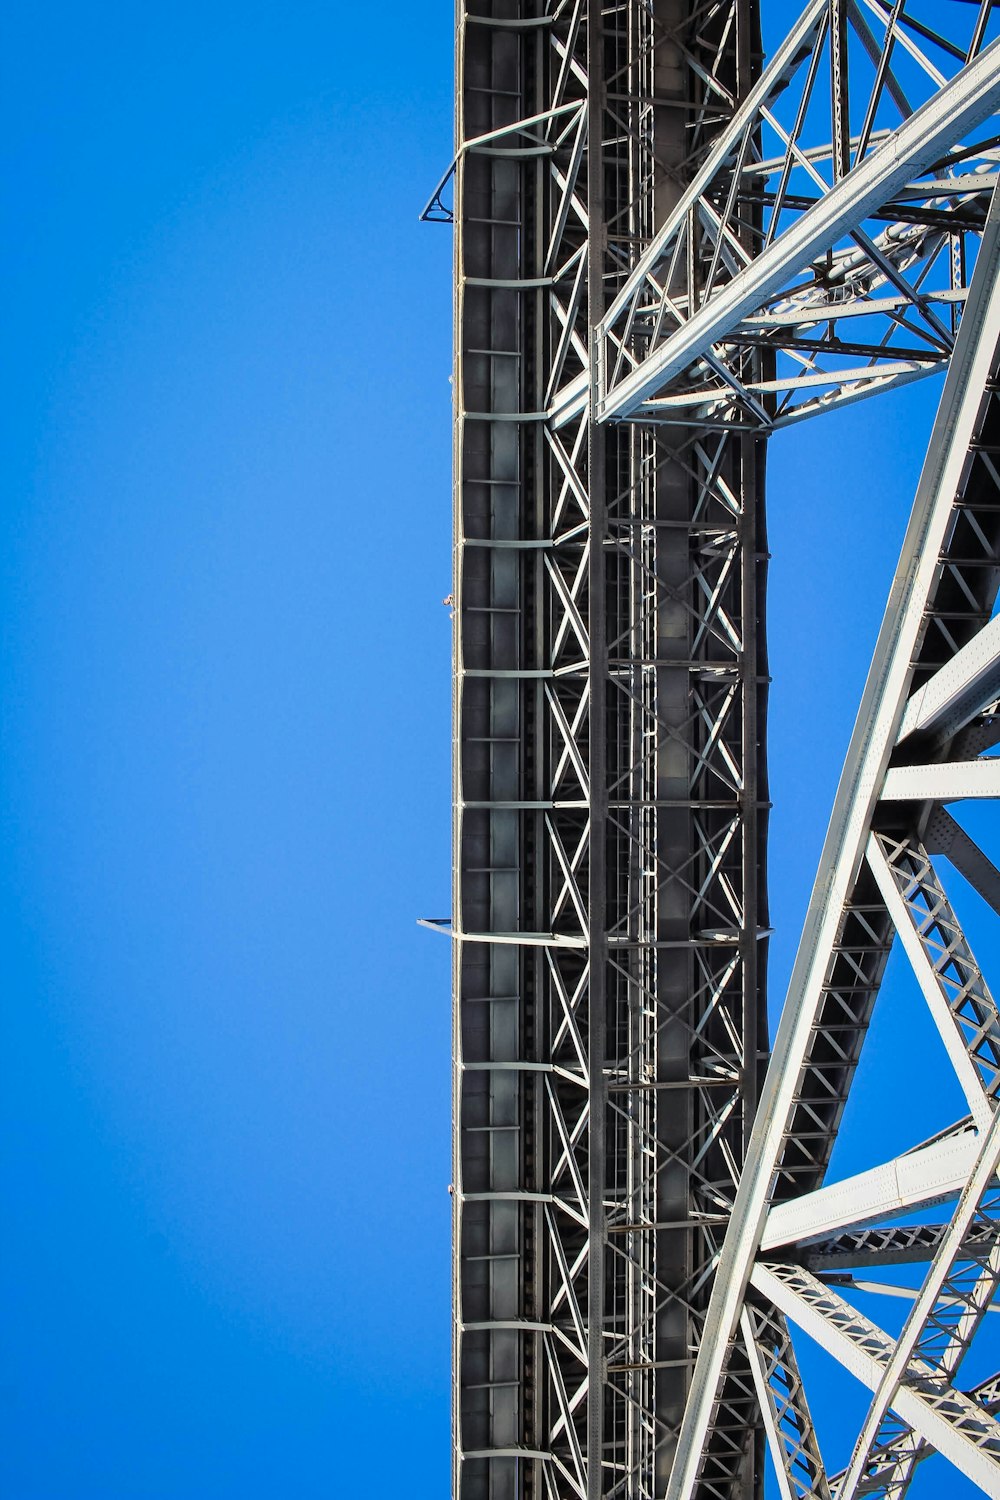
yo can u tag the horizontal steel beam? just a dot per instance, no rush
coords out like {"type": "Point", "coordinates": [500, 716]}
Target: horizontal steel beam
{"type": "Point", "coordinates": [932, 1174]}
{"type": "Point", "coordinates": [959, 690]}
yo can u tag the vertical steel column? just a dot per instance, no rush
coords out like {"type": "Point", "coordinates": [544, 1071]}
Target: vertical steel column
{"type": "Point", "coordinates": [597, 900]}
{"type": "Point", "coordinates": [608, 860]}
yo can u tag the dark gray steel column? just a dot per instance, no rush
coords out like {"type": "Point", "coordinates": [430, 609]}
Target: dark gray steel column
{"type": "Point", "coordinates": [609, 887]}
{"type": "Point", "coordinates": [597, 901]}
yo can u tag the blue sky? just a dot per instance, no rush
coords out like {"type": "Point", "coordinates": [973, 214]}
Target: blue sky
{"type": "Point", "coordinates": [224, 743]}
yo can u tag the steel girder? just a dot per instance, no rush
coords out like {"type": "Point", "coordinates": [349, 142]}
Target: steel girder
{"type": "Point", "coordinates": [609, 915]}
{"type": "Point", "coordinates": [610, 796]}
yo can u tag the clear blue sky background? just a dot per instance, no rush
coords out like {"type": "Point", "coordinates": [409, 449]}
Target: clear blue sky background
{"type": "Point", "coordinates": [224, 743]}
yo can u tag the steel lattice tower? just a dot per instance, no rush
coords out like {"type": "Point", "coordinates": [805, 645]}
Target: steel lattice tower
{"type": "Point", "coordinates": [668, 248]}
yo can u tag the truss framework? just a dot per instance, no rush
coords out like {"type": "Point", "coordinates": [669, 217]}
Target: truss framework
{"type": "Point", "coordinates": [625, 1282]}
{"type": "Point", "coordinates": [856, 269]}
{"type": "Point", "coordinates": [929, 711]}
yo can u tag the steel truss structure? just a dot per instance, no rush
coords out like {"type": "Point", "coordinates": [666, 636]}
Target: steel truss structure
{"type": "Point", "coordinates": [666, 250]}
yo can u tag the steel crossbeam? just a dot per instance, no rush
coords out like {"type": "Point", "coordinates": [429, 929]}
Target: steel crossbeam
{"type": "Point", "coordinates": [788, 1423]}
{"type": "Point", "coordinates": [853, 230]}
{"type": "Point", "coordinates": [948, 1419]}
{"type": "Point", "coordinates": [664, 253]}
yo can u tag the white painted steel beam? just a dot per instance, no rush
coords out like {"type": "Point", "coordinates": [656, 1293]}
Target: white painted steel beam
{"type": "Point", "coordinates": [948, 1419]}
{"type": "Point", "coordinates": [958, 107]}
{"type": "Point", "coordinates": [947, 781]}
{"type": "Point", "coordinates": [959, 690]}
{"type": "Point", "coordinates": [932, 1174]}
{"type": "Point", "coordinates": [864, 775]}
{"type": "Point", "coordinates": [902, 1357]}
{"type": "Point", "coordinates": [945, 836]}
{"type": "Point", "coordinates": [772, 1428]}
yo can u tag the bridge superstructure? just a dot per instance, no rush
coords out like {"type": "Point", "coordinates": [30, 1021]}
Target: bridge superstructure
{"type": "Point", "coordinates": [666, 249]}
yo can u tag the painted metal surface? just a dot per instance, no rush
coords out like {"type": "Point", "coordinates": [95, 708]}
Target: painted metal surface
{"type": "Point", "coordinates": [849, 928]}
{"type": "Point", "coordinates": [663, 254]}
{"type": "Point", "coordinates": [610, 793]}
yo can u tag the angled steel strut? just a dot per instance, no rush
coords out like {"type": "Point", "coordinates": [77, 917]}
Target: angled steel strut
{"type": "Point", "coordinates": [665, 249]}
